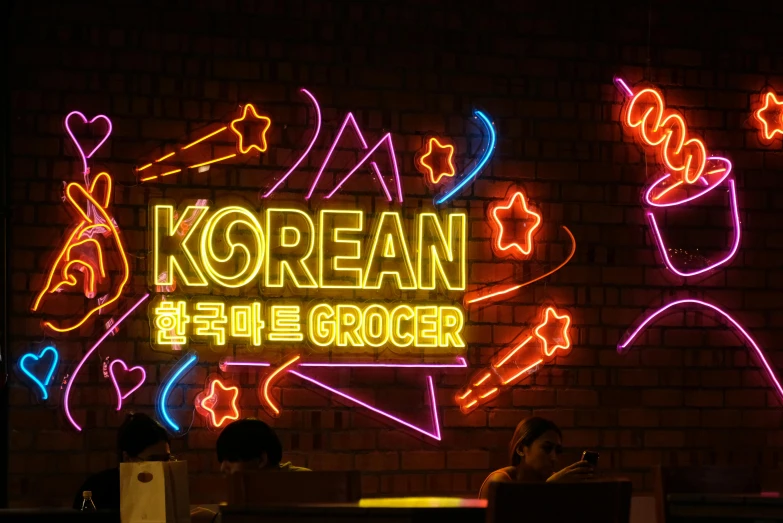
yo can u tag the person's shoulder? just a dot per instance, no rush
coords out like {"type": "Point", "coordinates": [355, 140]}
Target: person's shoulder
{"type": "Point", "coordinates": [504, 475]}
{"type": "Point", "coordinates": [288, 467]}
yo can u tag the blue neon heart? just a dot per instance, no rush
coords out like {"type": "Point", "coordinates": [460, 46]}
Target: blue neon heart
{"type": "Point", "coordinates": [42, 384]}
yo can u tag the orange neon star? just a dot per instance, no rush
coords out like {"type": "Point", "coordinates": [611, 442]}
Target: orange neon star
{"type": "Point", "coordinates": [771, 116]}
{"type": "Point", "coordinates": [511, 213]}
{"type": "Point", "coordinates": [209, 402]}
{"type": "Point", "coordinates": [556, 336]}
{"type": "Point", "coordinates": [444, 155]}
{"type": "Point", "coordinates": [265, 123]}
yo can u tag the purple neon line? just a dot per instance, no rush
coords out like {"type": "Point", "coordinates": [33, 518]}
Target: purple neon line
{"type": "Point", "coordinates": [647, 195]}
{"type": "Point", "coordinates": [309, 147]}
{"type": "Point", "coordinates": [770, 372]}
{"type": "Point", "coordinates": [66, 402]}
{"type": "Point", "coordinates": [348, 117]}
{"type": "Point", "coordinates": [75, 141]}
{"type": "Point", "coordinates": [620, 83]}
{"type": "Point", "coordinates": [461, 365]}
{"type": "Point", "coordinates": [386, 138]}
{"type": "Point", "coordinates": [435, 436]}
{"type": "Point", "coordinates": [737, 234]}
{"type": "Point", "coordinates": [434, 409]}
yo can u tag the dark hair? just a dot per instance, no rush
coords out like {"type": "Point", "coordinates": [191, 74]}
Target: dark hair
{"type": "Point", "coordinates": [526, 433]}
{"type": "Point", "coordinates": [248, 439]}
{"type": "Point", "coordinates": [138, 432]}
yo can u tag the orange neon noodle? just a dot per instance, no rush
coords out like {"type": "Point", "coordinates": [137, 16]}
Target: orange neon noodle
{"type": "Point", "coordinates": [667, 131]}
{"type": "Point", "coordinates": [240, 144]}
{"type": "Point", "coordinates": [482, 380]}
{"type": "Point", "coordinates": [210, 135]}
{"type": "Point", "coordinates": [212, 161]}
{"type": "Point", "coordinates": [472, 403]}
{"type": "Point", "coordinates": [514, 351]}
{"type": "Point", "coordinates": [85, 198]}
{"type": "Point", "coordinates": [147, 166]}
{"type": "Point", "coordinates": [670, 188]}
{"type": "Point", "coordinates": [550, 350]}
{"type": "Point", "coordinates": [522, 372]}
{"type": "Point", "coordinates": [271, 378]}
{"type": "Point", "coordinates": [462, 397]}
{"type": "Point", "coordinates": [166, 156]}
{"type": "Point", "coordinates": [770, 128]}
{"type": "Point", "coordinates": [497, 224]}
{"type": "Point", "coordinates": [449, 160]}
{"type": "Point", "coordinates": [233, 409]}
{"type": "Point", "coordinates": [495, 294]}
{"type": "Point", "coordinates": [487, 394]}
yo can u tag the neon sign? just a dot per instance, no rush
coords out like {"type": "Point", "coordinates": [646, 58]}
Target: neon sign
{"type": "Point", "coordinates": [770, 116]}
{"type": "Point", "coordinates": [437, 161]}
{"type": "Point", "coordinates": [40, 382]}
{"type": "Point", "coordinates": [219, 403]}
{"type": "Point", "coordinates": [122, 396]}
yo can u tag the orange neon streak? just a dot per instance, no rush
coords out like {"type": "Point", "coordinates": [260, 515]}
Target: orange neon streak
{"type": "Point", "coordinates": [671, 187]}
{"type": "Point", "coordinates": [271, 377]}
{"type": "Point", "coordinates": [175, 171]}
{"type": "Point", "coordinates": [517, 287]}
{"type": "Point", "coordinates": [234, 415]}
{"type": "Point", "coordinates": [666, 124]}
{"type": "Point", "coordinates": [482, 380]}
{"type": "Point", "coordinates": [164, 157]}
{"type": "Point", "coordinates": [212, 161]}
{"type": "Point", "coordinates": [449, 160]}
{"type": "Point", "coordinates": [470, 404]}
{"type": "Point", "coordinates": [210, 135]}
{"type": "Point", "coordinates": [523, 371]}
{"type": "Point", "coordinates": [240, 136]}
{"type": "Point", "coordinates": [81, 228]}
{"type": "Point", "coordinates": [770, 98]}
{"type": "Point", "coordinates": [468, 393]}
{"type": "Point", "coordinates": [497, 222]}
{"type": "Point", "coordinates": [144, 167]}
{"type": "Point", "coordinates": [544, 341]}
{"type": "Point", "coordinates": [716, 171]}
{"type": "Point", "coordinates": [489, 393]}
{"type": "Point", "coordinates": [97, 247]}
{"type": "Point", "coordinates": [511, 354]}
{"type": "Point", "coordinates": [148, 178]}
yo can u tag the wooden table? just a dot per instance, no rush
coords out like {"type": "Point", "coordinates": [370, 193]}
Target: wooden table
{"type": "Point", "coordinates": [388, 510]}
{"type": "Point", "coordinates": [726, 507]}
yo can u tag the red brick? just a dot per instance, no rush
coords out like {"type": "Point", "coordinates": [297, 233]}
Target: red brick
{"type": "Point", "coordinates": [423, 460]}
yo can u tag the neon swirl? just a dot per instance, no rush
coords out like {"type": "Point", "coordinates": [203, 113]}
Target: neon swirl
{"type": "Point", "coordinates": [111, 329]}
{"type": "Point", "coordinates": [177, 372]}
{"type": "Point", "coordinates": [316, 132]}
{"type": "Point", "coordinates": [485, 157]}
{"type": "Point", "coordinates": [688, 302]}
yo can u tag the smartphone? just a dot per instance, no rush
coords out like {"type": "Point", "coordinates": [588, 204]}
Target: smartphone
{"type": "Point", "coordinates": [590, 457]}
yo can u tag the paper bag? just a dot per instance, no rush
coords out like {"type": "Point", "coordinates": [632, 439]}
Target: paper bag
{"type": "Point", "coordinates": [154, 492]}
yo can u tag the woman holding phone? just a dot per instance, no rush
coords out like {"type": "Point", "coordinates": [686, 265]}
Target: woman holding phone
{"type": "Point", "coordinates": [534, 452]}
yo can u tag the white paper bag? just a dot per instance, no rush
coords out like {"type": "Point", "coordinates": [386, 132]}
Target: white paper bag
{"type": "Point", "coordinates": [154, 492]}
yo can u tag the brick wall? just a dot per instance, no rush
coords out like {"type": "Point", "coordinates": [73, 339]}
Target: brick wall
{"type": "Point", "coordinates": [160, 69]}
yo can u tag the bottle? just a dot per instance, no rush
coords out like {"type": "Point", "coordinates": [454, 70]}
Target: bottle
{"type": "Point", "coordinates": [87, 503]}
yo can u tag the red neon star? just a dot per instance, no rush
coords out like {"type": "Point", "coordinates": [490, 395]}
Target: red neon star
{"type": "Point", "coordinates": [262, 121]}
{"type": "Point", "coordinates": [441, 155]}
{"type": "Point", "coordinates": [556, 334]}
{"type": "Point", "coordinates": [771, 116]}
{"type": "Point", "coordinates": [504, 221]}
{"type": "Point", "coordinates": [215, 399]}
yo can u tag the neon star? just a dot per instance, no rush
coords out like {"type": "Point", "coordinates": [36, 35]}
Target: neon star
{"type": "Point", "coordinates": [209, 402]}
{"type": "Point", "coordinates": [441, 154]}
{"type": "Point", "coordinates": [771, 116]}
{"type": "Point", "coordinates": [265, 123]}
{"type": "Point", "coordinates": [559, 340]}
{"type": "Point", "coordinates": [510, 213]}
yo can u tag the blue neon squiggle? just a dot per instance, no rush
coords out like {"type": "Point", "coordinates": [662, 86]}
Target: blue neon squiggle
{"type": "Point", "coordinates": [179, 369]}
{"type": "Point", "coordinates": [479, 166]}
{"type": "Point", "coordinates": [45, 383]}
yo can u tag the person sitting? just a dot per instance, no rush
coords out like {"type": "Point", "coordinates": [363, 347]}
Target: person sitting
{"type": "Point", "coordinates": [251, 444]}
{"type": "Point", "coordinates": [139, 438]}
{"type": "Point", "coordinates": [534, 452]}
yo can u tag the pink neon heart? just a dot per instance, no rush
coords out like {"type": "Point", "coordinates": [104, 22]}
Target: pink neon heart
{"type": "Point", "coordinates": [76, 142]}
{"type": "Point", "coordinates": [112, 375]}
